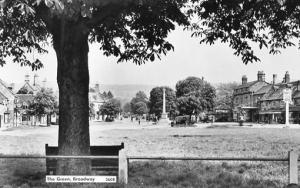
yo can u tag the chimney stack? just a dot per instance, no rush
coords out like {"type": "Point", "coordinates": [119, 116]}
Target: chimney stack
{"type": "Point", "coordinates": [287, 78]}
{"type": "Point", "coordinates": [244, 79]}
{"type": "Point", "coordinates": [261, 76]}
{"type": "Point", "coordinates": [27, 78]}
{"type": "Point", "coordinates": [35, 79]}
{"type": "Point", "coordinates": [274, 79]}
{"type": "Point", "coordinates": [44, 83]}
{"type": "Point", "coordinates": [97, 88]}
{"type": "Point", "coordinates": [11, 86]}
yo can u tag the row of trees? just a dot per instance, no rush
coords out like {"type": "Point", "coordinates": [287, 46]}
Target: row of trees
{"type": "Point", "coordinates": [192, 96]}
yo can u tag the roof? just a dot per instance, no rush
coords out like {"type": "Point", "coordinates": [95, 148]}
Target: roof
{"type": "Point", "coordinates": [16, 87]}
{"type": "Point", "coordinates": [248, 84]}
{"type": "Point", "coordinates": [264, 89]}
{"type": "Point", "coordinates": [296, 94]}
{"type": "Point", "coordinates": [7, 93]}
{"type": "Point", "coordinates": [30, 88]}
{"type": "Point", "coordinates": [2, 98]}
{"type": "Point", "coordinates": [276, 94]}
{"type": "Point", "coordinates": [253, 86]}
{"type": "Point", "coordinates": [36, 87]}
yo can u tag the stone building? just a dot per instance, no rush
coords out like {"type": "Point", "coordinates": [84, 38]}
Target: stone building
{"type": "Point", "coordinates": [96, 100]}
{"type": "Point", "coordinates": [260, 101]}
{"type": "Point", "coordinates": [30, 88]}
{"type": "Point", "coordinates": [245, 100]}
{"type": "Point", "coordinates": [6, 105]}
{"type": "Point", "coordinates": [272, 107]}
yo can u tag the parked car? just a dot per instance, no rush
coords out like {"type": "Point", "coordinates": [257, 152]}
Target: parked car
{"type": "Point", "coordinates": [109, 119]}
{"type": "Point", "coordinates": [182, 119]}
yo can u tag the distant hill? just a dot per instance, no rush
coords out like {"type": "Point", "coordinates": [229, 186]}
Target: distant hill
{"type": "Point", "coordinates": [126, 92]}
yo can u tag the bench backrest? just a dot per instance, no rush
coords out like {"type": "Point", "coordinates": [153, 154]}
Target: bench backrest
{"type": "Point", "coordinates": [108, 166]}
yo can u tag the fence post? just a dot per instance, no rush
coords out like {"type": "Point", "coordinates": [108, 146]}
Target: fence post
{"type": "Point", "coordinates": [293, 167]}
{"type": "Point", "coordinates": [123, 167]}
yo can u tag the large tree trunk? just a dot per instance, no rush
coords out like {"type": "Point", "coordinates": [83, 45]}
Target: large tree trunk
{"type": "Point", "coordinates": [71, 46]}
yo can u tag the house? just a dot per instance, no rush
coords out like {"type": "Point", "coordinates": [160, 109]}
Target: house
{"type": "Point", "coordinates": [245, 100]}
{"type": "Point", "coordinates": [259, 101]}
{"type": "Point", "coordinates": [7, 99]}
{"type": "Point", "coordinates": [23, 102]}
{"type": "Point", "coordinates": [272, 106]}
{"type": "Point", "coordinates": [28, 88]}
{"type": "Point", "coordinates": [24, 97]}
{"type": "Point", "coordinates": [95, 100]}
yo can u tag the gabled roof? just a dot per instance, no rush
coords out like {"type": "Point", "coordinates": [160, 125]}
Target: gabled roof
{"type": "Point", "coordinates": [30, 88]}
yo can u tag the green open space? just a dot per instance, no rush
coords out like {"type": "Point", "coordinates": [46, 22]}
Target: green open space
{"type": "Point", "coordinates": [152, 140]}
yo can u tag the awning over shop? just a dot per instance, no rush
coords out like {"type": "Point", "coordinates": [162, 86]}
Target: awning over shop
{"type": "Point", "coordinates": [270, 112]}
{"type": "Point", "coordinates": [249, 107]}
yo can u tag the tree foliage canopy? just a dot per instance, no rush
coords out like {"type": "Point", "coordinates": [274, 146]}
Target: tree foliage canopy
{"type": "Point", "coordinates": [194, 95]}
{"type": "Point", "coordinates": [131, 30]}
{"type": "Point", "coordinates": [140, 98]}
{"type": "Point", "coordinates": [127, 107]}
{"type": "Point", "coordinates": [136, 30]}
{"type": "Point", "coordinates": [273, 24]}
{"type": "Point", "coordinates": [111, 107]}
{"type": "Point", "coordinates": [156, 100]}
{"type": "Point", "coordinates": [107, 95]}
{"type": "Point", "coordinates": [224, 95]}
{"type": "Point", "coordinates": [44, 102]}
{"type": "Point", "coordinates": [140, 108]}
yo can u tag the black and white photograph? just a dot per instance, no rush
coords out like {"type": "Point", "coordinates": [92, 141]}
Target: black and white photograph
{"type": "Point", "coordinates": [149, 93]}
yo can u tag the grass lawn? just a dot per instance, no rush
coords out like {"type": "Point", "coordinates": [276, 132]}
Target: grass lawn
{"type": "Point", "coordinates": [146, 140]}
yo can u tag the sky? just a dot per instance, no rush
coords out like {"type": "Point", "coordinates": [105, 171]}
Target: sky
{"type": "Point", "coordinates": [215, 63]}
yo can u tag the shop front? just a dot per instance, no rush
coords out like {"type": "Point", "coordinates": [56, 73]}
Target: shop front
{"type": "Point", "coordinates": [271, 116]}
{"type": "Point", "coordinates": [248, 114]}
